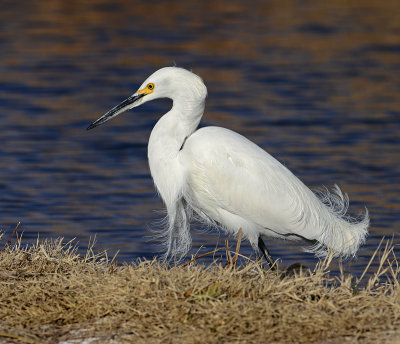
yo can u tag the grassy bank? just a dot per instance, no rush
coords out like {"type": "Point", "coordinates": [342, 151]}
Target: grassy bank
{"type": "Point", "coordinates": [50, 294]}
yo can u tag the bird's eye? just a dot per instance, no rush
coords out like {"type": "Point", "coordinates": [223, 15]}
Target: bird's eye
{"type": "Point", "coordinates": [150, 86]}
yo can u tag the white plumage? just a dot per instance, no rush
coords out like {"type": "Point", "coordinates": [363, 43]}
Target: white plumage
{"type": "Point", "coordinates": [229, 181]}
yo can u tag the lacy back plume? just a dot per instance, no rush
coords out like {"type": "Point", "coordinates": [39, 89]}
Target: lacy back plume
{"type": "Point", "coordinates": [341, 235]}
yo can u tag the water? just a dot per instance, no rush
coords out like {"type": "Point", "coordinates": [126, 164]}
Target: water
{"type": "Point", "coordinates": [316, 85]}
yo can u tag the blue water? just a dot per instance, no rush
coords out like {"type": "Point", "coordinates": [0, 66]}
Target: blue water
{"type": "Point", "coordinates": [316, 85]}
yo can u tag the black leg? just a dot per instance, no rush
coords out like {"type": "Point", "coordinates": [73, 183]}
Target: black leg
{"type": "Point", "coordinates": [266, 254]}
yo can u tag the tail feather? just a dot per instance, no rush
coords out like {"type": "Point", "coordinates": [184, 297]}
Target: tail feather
{"type": "Point", "coordinates": [342, 234]}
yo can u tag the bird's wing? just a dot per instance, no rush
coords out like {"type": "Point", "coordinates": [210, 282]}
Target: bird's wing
{"type": "Point", "coordinates": [228, 171]}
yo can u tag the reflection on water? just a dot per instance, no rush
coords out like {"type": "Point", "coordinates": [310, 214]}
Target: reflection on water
{"type": "Point", "coordinates": [317, 85]}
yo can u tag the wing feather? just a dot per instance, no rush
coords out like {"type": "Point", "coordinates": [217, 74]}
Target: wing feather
{"type": "Point", "coordinates": [228, 171]}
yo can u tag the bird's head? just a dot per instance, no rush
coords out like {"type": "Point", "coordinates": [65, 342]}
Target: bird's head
{"type": "Point", "coordinates": [169, 82]}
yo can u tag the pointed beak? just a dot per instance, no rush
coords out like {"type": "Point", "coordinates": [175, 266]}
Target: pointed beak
{"type": "Point", "coordinates": [127, 104]}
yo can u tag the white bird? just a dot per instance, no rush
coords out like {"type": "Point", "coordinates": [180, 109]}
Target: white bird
{"type": "Point", "coordinates": [228, 181]}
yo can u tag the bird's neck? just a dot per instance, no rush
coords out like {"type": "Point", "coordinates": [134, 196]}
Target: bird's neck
{"type": "Point", "coordinates": [171, 131]}
{"type": "Point", "coordinates": [166, 141]}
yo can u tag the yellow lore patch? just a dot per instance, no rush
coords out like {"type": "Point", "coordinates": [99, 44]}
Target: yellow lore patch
{"type": "Point", "coordinates": [147, 90]}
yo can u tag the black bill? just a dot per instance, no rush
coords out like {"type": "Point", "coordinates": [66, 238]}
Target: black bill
{"type": "Point", "coordinates": [125, 105]}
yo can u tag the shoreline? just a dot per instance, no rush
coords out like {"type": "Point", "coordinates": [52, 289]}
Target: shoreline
{"type": "Point", "coordinates": [51, 294]}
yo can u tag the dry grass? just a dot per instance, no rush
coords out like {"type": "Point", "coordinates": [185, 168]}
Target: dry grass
{"type": "Point", "coordinates": [50, 294]}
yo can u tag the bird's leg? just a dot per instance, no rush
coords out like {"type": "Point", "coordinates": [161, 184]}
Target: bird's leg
{"type": "Point", "coordinates": [266, 254]}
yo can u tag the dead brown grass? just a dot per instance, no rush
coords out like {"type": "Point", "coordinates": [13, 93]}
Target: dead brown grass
{"type": "Point", "coordinates": [51, 294]}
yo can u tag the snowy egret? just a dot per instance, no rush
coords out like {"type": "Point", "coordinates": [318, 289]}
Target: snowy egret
{"type": "Point", "coordinates": [228, 181]}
